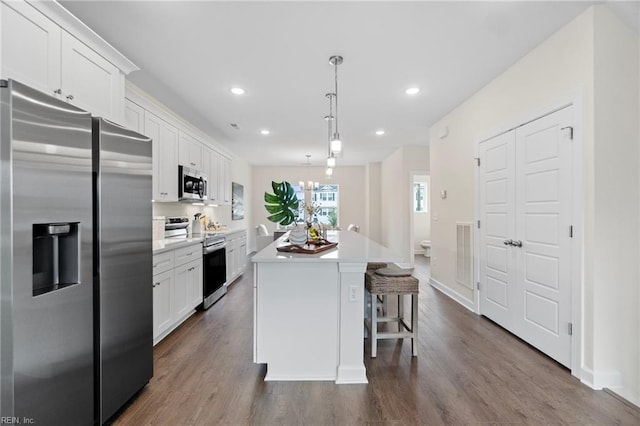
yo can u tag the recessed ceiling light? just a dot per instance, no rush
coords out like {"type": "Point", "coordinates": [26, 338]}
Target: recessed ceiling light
{"type": "Point", "coordinates": [380, 132]}
{"type": "Point", "coordinates": [412, 90]}
{"type": "Point", "coordinates": [264, 132]}
{"type": "Point", "coordinates": [237, 91]}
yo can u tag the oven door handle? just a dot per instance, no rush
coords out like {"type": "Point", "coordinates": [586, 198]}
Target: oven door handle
{"type": "Point", "coordinates": [213, 248]}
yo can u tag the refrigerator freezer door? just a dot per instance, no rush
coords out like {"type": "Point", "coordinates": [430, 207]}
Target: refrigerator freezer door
{"type": "Point", "coordinates": [122, 159]}
{"type": "Point", "coordinates": [46, 183]}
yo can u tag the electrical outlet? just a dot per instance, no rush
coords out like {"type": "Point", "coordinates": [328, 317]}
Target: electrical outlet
{"type": "Point", "coordinates": [353, 293]}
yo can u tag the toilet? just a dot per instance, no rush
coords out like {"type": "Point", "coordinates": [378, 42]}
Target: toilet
{"type": "Point", "coordinates": [426, 245]}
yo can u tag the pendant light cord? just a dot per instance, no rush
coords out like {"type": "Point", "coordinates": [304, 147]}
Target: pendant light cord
{"type": "Point", "coordinates": [336, 133]}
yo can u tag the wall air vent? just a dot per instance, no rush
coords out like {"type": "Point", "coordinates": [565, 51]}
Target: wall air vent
{"type": "Point", "coordinates": [464, 254]}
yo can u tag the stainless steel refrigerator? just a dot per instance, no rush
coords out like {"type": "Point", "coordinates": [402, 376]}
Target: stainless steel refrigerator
{"type": "Point", "coordinates": [123, 261]}
{"type": "Point", "coordinates": [71, 222]}
{"type": "Point", "coordinates": [46, 248]}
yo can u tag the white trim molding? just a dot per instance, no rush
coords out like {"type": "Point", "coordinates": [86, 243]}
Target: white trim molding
{"type": "Point", "coordinates": [601, 379]}
{"type": "Point", "coordinates": [452, 294]}
{"type": "Point", "coordinates": [69, 23]}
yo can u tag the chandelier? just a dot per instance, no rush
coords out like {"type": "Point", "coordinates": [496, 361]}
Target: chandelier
{"type": "Point", "coordinates": [310, 185]}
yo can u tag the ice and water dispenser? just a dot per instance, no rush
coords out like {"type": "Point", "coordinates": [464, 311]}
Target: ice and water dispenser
{"type": "Point", "coordinates": [56, 256]}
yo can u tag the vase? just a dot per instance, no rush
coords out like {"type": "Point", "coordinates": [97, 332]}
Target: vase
{"type": "Point", "coordinates": [298, 235]}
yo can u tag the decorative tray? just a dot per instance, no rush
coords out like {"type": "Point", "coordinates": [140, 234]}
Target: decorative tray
{"type": "Point", "coordinates": [310, 248]}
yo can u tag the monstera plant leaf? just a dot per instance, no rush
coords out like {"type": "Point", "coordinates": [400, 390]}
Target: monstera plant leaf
{"type": "Point", "coordinates": [282, 204]}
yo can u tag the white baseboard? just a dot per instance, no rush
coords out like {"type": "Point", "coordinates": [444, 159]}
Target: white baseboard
{"type": "Point", "coordinates": [350, 375]}
{"type": "Point", "coordinates": [601, 379]}
{"type": "Point", "coordinates": [452, 294]}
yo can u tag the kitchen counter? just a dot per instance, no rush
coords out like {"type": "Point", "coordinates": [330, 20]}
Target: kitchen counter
{"type": "Point", "coordinates": [352, 247]}
{"type": "Point", "coordinates": [308, 309]}
{"type": "Point", "coordinates": [160, 246]}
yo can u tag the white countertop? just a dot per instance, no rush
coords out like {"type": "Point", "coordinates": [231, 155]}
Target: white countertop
{"type": "Point", "coordinates": [352, 247]}
{"type": "Point", "coordinates": [167, 244]}
{"type": "Point", "coordinates": [160, 246]}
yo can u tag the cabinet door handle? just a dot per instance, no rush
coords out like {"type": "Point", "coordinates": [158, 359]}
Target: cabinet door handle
{"type": "Point", "coordinates": [517, 243]}
{"type": "Point", "coordinates": [70, 97]}
{"type": "Point", "coordinates": [57, 91]}
{"type": "Point", "coordinates": [193, 164]}
{"type": "Point", "coordinates": [156, 285]}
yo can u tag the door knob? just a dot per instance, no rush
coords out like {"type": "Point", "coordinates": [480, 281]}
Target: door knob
{"type": "Point", "coordinates": [508, 242]}
{"type": "Point", "coordinates": [70, 97]}
{"type": "Point", "coordinates": [517, 243]}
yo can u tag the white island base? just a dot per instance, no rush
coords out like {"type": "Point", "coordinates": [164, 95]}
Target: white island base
{"type": "Point", "coordinates": [309, 310]}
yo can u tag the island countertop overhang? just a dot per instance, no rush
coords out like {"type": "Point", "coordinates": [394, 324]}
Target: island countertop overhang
{"type": "Point", "coordinates": [352, 247]}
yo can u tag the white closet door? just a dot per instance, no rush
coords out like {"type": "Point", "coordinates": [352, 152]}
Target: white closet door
{"type": "Point", "coordinates": [496, 180]}
{"type": "Point", "coordinates": [543, 215]}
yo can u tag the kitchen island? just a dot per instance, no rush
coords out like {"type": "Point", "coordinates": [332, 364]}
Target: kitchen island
{"type": "Point", "coordinates": [309, 309]}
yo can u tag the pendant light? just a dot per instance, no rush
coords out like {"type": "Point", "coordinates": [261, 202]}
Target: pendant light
{"type": "Point", "coordinates": [331, 159]}
{"type": "Point", "coordinates": [336, 142]}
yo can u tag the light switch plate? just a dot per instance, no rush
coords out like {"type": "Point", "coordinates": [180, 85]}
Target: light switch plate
{"type": "Point", "coordinates": [353, 293]}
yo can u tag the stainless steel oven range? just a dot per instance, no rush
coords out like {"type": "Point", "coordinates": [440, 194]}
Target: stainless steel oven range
{"type": "Point", "coordinates": [214, 268]}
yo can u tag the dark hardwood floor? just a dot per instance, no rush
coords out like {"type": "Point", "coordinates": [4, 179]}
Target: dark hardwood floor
{"type": "Point", "coordinates": [469, 371]}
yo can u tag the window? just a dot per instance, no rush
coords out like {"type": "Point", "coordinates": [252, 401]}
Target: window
{"type": "Point", "coordinates": [300, 194]}
{"type": "Point", "coordinates": [326, 197]}
{"type": "Point", "coordinates": [419, 197]}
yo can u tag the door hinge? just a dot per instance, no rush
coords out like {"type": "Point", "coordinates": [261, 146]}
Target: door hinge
{"type": "Point", "coordinates": [570, 131]}
{"type": "Point", "coordinates": [478, 224]}
{"type": "Point", "coordinates": [478, 285]}
{"type": "Point", "coordinates": [571, 231]}
{"type": "Point", "coordinates": [570, 329]}
{"type": "Point", "coordinates": [477, 160]}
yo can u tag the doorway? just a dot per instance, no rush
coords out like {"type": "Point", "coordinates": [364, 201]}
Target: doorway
{"type": "Point", "coordinates": [420, 216]}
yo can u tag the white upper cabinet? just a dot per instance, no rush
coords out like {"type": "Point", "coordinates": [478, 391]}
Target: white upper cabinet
{"type": "Point", "coordinates": [213, 177]}
{"type": "Point", "coordinates": [44, 46]}
{"type": "Point", "coordinates": [190, 152]}
{"type": "Point", "coordinates": [165, 157]}
{"type": "Point", "coordinates": [133, 116]}
{"type": "Point", "coordinates": [89, 81]}
{"type": "Point", "coordinates": [30, 47]}
{"type": "Point", "coordinates": [224, 181]}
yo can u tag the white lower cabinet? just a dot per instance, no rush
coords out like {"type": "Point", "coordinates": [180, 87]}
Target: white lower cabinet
{"type": "Point", "coordinates": [177, 288]}
{"type": "Point", "coordinates": [162, 318]}
{"type": "Point", "coordinates": [236, 255]}
{"type": "Point", "coordinates": [190, 295]}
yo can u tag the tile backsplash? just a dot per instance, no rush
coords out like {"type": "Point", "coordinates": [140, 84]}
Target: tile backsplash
{"type": "Point", "coordinates": [221, 214]}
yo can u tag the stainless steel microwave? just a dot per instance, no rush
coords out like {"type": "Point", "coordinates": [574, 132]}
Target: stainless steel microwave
{"type": "Point", "coordinates": [192, 185]}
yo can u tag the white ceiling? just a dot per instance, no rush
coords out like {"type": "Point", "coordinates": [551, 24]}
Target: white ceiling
{"type": "Point", "coordinates": [192, 53]}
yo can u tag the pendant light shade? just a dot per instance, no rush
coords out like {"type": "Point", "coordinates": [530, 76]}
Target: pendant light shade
{"type": "Point", "coordinates": [329, 171]}
{"type": "Point", "coordinates": [336, 146]}
{"type": "Point", "coordinates": [331, 161]}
